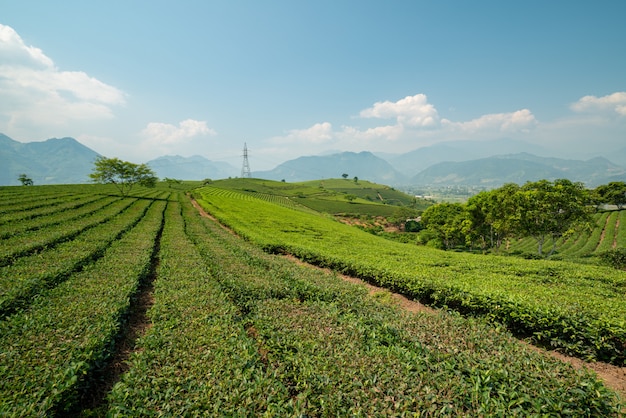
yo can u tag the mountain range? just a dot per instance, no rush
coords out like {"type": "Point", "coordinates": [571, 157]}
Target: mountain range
{"type": "Point", "coordinates": [468, 163]}
{"type": "Point", "coordinates": [54, 161]}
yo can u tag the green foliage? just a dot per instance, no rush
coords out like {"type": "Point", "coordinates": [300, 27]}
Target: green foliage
{"type": "Point", "coordinates": [235, 331]}
{"type": "Point", "coordinates": [51, 351]}
{"type": "Point", "coordinates": [25, 180]}
{"type": "Point", "coordinates": [615, 258]}
{"type": "Point", "coordinates": [556, 303]}
{"type": "Point", "coordinates": [123, 174]}
{"type": "Point", "coordinates": [544, 209]}
{"type": "Point", "coordinates": [613, 193]}
{"type": "Point", "coordinates": [445, 220]}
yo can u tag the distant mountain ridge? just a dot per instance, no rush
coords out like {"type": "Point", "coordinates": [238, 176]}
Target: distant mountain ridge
{"type": "Point", "coordinates": [468, 163]}
{"type": "Point", "coordinates": [54, 161]}
{"type": "Point", "coordinates": [413, 162]}
{"type": "Point", "coordinates": [519, 168]}
{"type": "Point", "coordinates": [191, 168]}
{"type": "Point", "coordinates": [364, 165]}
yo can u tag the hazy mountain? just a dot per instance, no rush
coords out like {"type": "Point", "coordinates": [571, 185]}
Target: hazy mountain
{"type": "Point", "coordinates": [54, 161]}
{"type": "Point", "coordinates": [420, 159]}
{"type": "Point", "coordinates": [363, 165]}
{"type": "Point", "coordinates": [618, 157]}
{"type": "Point", "coordinates": [519, 168]}
{"type": "Point", "coordinates": [65, 160]}
{"type": "Point", "coordinates": [191, 168]}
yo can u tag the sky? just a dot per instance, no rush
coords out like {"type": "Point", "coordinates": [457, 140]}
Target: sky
{"type": "Point", "coordinates": [141, 79]}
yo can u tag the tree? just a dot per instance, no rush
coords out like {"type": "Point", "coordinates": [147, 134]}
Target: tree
{"type": "Point", "coordinates": [445, 221]}
{"type": "Point", "coordinates": [171, 182]}
{"type": "Point", "coordinates": [123, 174]}
{"type": "Point", "coordinates": [25, 180]}
{"type": "Point", "coordinates": [402, 215]}
{"type": "Point", "coordinates": [344, 175]}
{"type": "Point", "coordinates": [613, 193]}
{"type": "Point", "coordinates": [356, 179]}
{"type": "Point", "coordinates": [550, 210]}
{"type": "Point", "coordinates": [491, 216]}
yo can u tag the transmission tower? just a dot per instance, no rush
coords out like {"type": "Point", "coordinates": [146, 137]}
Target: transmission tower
{"type": "Point", "coordinates": [245, 169]}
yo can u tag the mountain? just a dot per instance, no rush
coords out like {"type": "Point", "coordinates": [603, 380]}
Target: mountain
{"type": "Point", "coordinates": [519, 168]}
{"type": "Point", "coordinates": [364, 165]}
{"type": "Point", "coordinates": [54, 161]}
{"type": "Point", "coordinates": [191, 168]}
{"type": "Point", "coordinates": [420, 159]}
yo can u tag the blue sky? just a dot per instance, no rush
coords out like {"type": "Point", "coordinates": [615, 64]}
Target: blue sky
{"type": "Point", "coordinates": [140, 79]}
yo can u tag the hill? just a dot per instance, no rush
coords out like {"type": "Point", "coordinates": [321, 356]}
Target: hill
{"type": "Point", "coordinates": [191, 168]}
{"type": "Point", "coordinates": [54, 161]}
{"type": "Point", "coordinates": [363, 165]}
{"type": "Point", "coordinates": [413, 162]}
{"type": "Point", "coordinates": [519, 168]}
{"type": "Point", "coordinates": [333, 196]}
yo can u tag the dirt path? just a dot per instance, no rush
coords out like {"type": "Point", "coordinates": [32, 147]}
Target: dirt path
{"type": "Point", "coordinates": [614, 377]}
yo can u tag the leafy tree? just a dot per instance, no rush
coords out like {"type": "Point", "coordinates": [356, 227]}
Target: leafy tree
{"type": "Point", "coordinates": [350, 197]}
{"type": "Point", "coordinates": [344, 175]}
{"type": "Point", "coordinates": [445, 221]}
{"type": "Point", "coordinates": [550, 210]}
{"type": "Point", "coordinates": [401, 215]}
{"type": "Point", "coordinates": [356, 179]}
{"type": "Point", "coordinates": [25, 180]}
{"type": "Point", "coordinates": [613, 193]}
{"type": "Point", "coordinates": [491, 216]}
{"type": "Point", "coordinates": [171, 182]}
{"type": "Point", "coordinates": [123, 174]}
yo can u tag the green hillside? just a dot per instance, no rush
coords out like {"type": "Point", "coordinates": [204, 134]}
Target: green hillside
{"type": "Point", "coordinates": [608, 233]}
{"type": "Point", "coordinates": [333, 196]}
{"type": "Point", "coordinates": [137, 305]}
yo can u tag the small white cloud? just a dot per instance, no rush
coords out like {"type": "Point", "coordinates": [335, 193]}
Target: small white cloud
{"type": "Point", "coordinates": [36, 94]}
{"type": "Point", "coordinates": [615, 102]}
{"type": "Point", "coordinates": [518, 121]}
{"type": "Point", "coordinates": [159, 134]}
{"type": "Point", "coordinates": [371, 136]}
{"type": "Point", "coordinates": [412, 111]}
{"type": "Point", "coordinates": [319, 133]}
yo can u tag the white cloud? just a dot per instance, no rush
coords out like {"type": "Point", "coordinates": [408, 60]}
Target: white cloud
{"type": "Point", "coordinates": [36, 94]}
{"type": "Point", "coordinates": [166, 139]}
{"type": "Point", "coordinates": [412, 111]}
{"type": "Point", "coordinates": [518, 121]}
{"type": "Point", "coordinates": [371, 136]}
{"type": "Point", "coordinates": [317, 134]}
{"type": "Point", "coordinates": [615, 102]}
{"type": "Point", "coordinates": [157, 133]}
{"type": "Point", "coordinates": [417, 123]}
{"type": "Point", "coordinates": [15, 52]}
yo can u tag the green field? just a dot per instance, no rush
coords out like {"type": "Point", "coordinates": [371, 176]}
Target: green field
{"type": "Point", "coordinates": [229, 329]}
{"type": "Point", "coordinates": [608, 233]}
{"type": "Point", "coordinates": [333, 196]}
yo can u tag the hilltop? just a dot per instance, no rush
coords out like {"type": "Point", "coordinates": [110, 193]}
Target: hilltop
{"type": "Point", "coordinates": [333, 196]}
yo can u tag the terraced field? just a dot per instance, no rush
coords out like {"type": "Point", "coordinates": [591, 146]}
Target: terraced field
{"type": "Point", "coordinates": [608, 232]}
{"type": "Point", "coordinates": [229, 329]}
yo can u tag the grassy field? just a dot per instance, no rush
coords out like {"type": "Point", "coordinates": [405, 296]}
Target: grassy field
{"type": "Point", "coordinates": [224, 328]}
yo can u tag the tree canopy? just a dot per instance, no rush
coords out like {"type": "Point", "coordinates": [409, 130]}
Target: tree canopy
{"type": "Point", "coordinates": [613, 193]}
{"type": "Point", "coordinates": [25, 180]}
{"type": "Point", "coordinates": [123, 174]}
{"type": "Point", "coordinates": [543, 210]}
